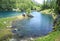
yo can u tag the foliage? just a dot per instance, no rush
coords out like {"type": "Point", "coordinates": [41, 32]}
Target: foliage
{"type": "Point", "coordinates": [58, 6]}
{"type": "Point", "coordinates": [49, 4]}
{"type": "Point", "coordinates": [23, 5]}
{"type": "Point", "coordinates": [28, 11]}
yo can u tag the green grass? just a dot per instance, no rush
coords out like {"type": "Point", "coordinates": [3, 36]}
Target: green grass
{"type": "Point", "coordinates": [7, 20]}
{"type": "Point", "coordinates": [51, 37]}
{"type": "Point", "coordinates": [5, 32]}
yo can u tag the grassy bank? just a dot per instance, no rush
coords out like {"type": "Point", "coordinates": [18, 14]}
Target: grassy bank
{"type": "Point", "coordinates": [5, 27]}
{"type": "Point", "coordinates": [5, 22]}
{"type": "Point", "coordinates": [54, 36]}
{"type": "Point", "coordinates": [5, 31]}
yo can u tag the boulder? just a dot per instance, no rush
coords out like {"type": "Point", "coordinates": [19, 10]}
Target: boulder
{"type": "Point", "coordinates": [29, 15]}
{"type": "Point", "coordinates": [23, 15]}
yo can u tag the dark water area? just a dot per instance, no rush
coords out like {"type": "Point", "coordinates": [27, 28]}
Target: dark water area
{"type": "Point", "coordinates": [39, 25]}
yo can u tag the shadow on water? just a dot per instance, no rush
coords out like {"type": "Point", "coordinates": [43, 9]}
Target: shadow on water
{"type": "Point", "coordinates": [39, 25]}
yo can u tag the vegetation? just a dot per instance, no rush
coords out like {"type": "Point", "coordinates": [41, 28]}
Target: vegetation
{"type": "Point", "coordinates": [5, 35]}
{"type": "Point", "coordinates": [4, 22]}
{"type": "Point", "coordinates": [51, 37]}
{"type": "Point", "coordinates": [5, 25]}
{"type": "Point", "coordinates": [20, 5]}
{"type": "Point", "coordinates": [57, 21]}
{"type": "Point", "coordinates": [49, 4]}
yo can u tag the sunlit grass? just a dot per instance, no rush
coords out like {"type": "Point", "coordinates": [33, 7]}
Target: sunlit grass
{"type": "Point", "coordinates": [4, 22]}
{"type": "Point", "coordinates": [5, 31]}
{"type": "Point", "coordinates": [51, 37]}
{"type": "Point", "coordinates": [4, 34]}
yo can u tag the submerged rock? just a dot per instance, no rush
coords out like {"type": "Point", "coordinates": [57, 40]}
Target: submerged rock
{"type": "Point", "coordinates": [29, 15]}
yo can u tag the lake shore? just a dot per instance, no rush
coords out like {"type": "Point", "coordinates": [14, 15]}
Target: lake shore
{"type": "Point", "coordinates": [6, 24]}
{"type": "Point", "coordinates": [50, 12]}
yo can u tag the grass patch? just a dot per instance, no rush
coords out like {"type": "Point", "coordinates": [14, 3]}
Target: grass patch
{"type": "Point", "coordinates": [5, 33]}
{"type": "Point", "coordinates": [4, 22]}
{"type": "Point", "coordinates": [50, 37]}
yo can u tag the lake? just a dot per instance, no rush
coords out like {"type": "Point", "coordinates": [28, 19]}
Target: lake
{"type": "Point", "coordinates": [39, 25]}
